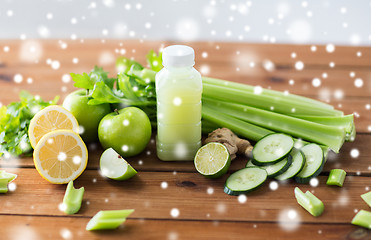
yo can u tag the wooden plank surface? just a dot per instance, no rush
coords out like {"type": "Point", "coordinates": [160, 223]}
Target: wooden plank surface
{"type": "Point", "coordinates": [205, 211]}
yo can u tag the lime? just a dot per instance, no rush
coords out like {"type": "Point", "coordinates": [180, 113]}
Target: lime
{"type": "Point", "coordinates": [212, 160]}
{"type": "Point", "coordinates": [114, 166]}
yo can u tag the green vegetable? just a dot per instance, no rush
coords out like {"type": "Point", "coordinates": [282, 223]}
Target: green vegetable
{"type": "Point", "coordinates": [275, 169]}
{"type": "Point", "coordinates": [265, 92]}
{"type": "Point", "coordinates": [272, 148]}
{"type": "Point", "coordinates": [5, 179]}
{"type": "Point", "coordinates": [72, 199]}
{"type": "Point", "coordinates": [266, 101]}
{"type": "Point", "coordinates": [314, 132]}
{"type": "Point", "coordinates": [367, 198]}
{"type": "Point", "coordinates": [314, 162]}
{"type": "Point", "coordinates": [224, 103]}
{"type": "Point", "coordinates": [309, 202]}
{"type": "Point", "coordinates": [245, 180]}
{"type": "Point", "coordinates": [15, 120]}
{"type": "Point", "coordinates": [336, 177]}
{"type": "Point", "coordinates": [108, 219]}
{"type": "Point", "coordinates": [363, 219]}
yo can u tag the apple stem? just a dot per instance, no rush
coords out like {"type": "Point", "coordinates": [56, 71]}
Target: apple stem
{"type": "Point", "coordinates": [116, 111]}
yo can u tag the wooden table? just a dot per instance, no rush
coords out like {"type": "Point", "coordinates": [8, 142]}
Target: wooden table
{"type": "Point", "coordinates": [205, 211]}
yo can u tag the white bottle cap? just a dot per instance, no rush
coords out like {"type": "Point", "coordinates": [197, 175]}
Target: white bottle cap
{"type": "Point", "coordinates": [178, 56]}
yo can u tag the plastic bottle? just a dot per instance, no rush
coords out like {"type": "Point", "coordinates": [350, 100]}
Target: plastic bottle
{"type": "Point", "coordinates": [178, 90]}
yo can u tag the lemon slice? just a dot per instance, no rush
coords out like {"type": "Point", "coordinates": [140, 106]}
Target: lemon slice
{"type": "Point", "coordinates": [60, 156]}
{"type": "Point", "coordinates": [49, 119]}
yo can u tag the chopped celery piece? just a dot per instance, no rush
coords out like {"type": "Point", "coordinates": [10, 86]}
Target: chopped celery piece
{"type": "Point", "coordinates": [309, 202]}
{"type": "Point", "coordinates": [314, 132]}
{"type": "Point", "coordinates": [264, 101]}
{"type": "Point", "coordinates": [249, 88]}
{"type": "Point", "coordinates": [367, 198]}
{"type": "Point", "coordinates": [108, 219]}
{"type": "Point", "coordinates": [336, 177]}
{"type": "Point", "coordinates": [72, 198]}
{"type": "Point", "coordinates": [3, 186]}
{"type": "Point", "coordinates": [363, 219]}
{"type": "Point", "coordinates": [5, 178]}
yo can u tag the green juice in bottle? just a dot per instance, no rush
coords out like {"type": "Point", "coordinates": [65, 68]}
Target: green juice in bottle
{"type": "Point", "coordinates": [178, 90]}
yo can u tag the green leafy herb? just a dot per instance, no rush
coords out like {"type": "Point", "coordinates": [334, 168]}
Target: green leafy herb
{"type": "Point", "coordinates": [154, 60]}
{"type": "Point", "coordinates": [15, 120]}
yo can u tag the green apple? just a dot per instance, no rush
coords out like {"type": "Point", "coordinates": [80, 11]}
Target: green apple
{"type": "Point", "coordinates": [87, 115]}
{"type": "Point", "coordinates": [127, 131]}
{"type": "Point", "coordinates": [115, 167]}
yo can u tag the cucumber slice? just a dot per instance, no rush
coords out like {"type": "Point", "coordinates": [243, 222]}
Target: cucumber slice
{"type": "Point", "coordinates": [298, 163]}
{"type": "Point", "coordinates": [275, 169]}
{"type": "Point", "coordinates": [314, 163]}
{"type": "Point", "coordinates": [271, 149]}
{"type": "Point", "coordinates": [245, 180]}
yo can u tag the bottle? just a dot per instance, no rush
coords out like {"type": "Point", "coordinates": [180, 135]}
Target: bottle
{"type": "Point", "coordinates": [178, 90]}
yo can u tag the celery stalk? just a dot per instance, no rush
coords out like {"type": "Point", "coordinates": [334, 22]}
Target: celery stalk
{"type": "Point", "coordinates": [242, 128]}
{"type": "Point", "coordinates": [336, 177]}
{"type": "Point", "coordinates": [367, 198]}
{"type": "Point", "coordinates": [7, 176]}
{"type": "Point", "coordinates": [330, 136]}
{"type": "Point", "coordinates": [251, 89]}
{"type": "Point", "coordinates": [309, 202]}
{"type": "Point", "coordinates": [363, 219]}
{"type": "Point", "coordinates": [346, 122]}
{"type": "Point", "coordinates": [108, 219]}
{"type": "Point", "coordinates": [72, 199]}
{"type": "Point", "coordinates": [264, 101]}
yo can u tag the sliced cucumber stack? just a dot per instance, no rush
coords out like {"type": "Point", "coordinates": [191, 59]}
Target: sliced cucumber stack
{"type": "Point", "coordinates": [314, 163]}
{"type": "Point", "coordinates": [271, 149]}
{"type": "Point", "coordinates": [275, 169]}
{"type": "Point", "coordinates": [245, 180]}
{"type": "Point", "coordinates": [298, 163]}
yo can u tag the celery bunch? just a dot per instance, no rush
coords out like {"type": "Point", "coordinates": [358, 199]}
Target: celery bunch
{"type": "Point", "coordinates": [251, 112]}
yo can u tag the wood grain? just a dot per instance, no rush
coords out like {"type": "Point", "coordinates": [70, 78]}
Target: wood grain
{"type": "Point", "coordinates": [45, 227]}
{"type": "Point", "coordinates": [188, 192]}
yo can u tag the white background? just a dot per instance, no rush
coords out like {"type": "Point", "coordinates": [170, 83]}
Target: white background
{"type": "Point", "coordinates": [341, 22]}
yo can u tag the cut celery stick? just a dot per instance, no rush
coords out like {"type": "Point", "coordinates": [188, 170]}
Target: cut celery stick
{"type": "Point", "coordinates": [72, 198]}
{"type": "Point", "coordinates": [367, 198]}
{"type": "Point", "coordinates": [5, 178]}
{"type": "Point", "coordinates": [309, 202]}
{"type": "Point", "coordinates": [336, 177]}
{"type": "Point", "coordinates": [8, 176]}
{"type": "Point", "coordinates": [3, 186]}
{"type": "Point", "coordinates": [363, 219]}
{"type": "Point", "coordinates": [108, 219]}
{"type": "Point", "coordinates": [314, 132]}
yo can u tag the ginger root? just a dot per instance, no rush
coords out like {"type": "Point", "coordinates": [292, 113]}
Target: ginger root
{"type": "Point", "coordinates": [233, 143]}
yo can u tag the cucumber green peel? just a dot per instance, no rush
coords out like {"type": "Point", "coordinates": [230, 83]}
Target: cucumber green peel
{"type": "Point", "coordinates": [309, 202]}
{"type": "Point", "coordinates": [108, 219]}
{"type": "Point", "coordinates": [363, 219]}
{"type": "Point", "coordinates": [5, 179]}
{"type": "Point", "coordinates": [367, 198]}
{"type": "Point", "coordinates": [72, 199]}
{"type": "Point", "coordinates": [336, 177]}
